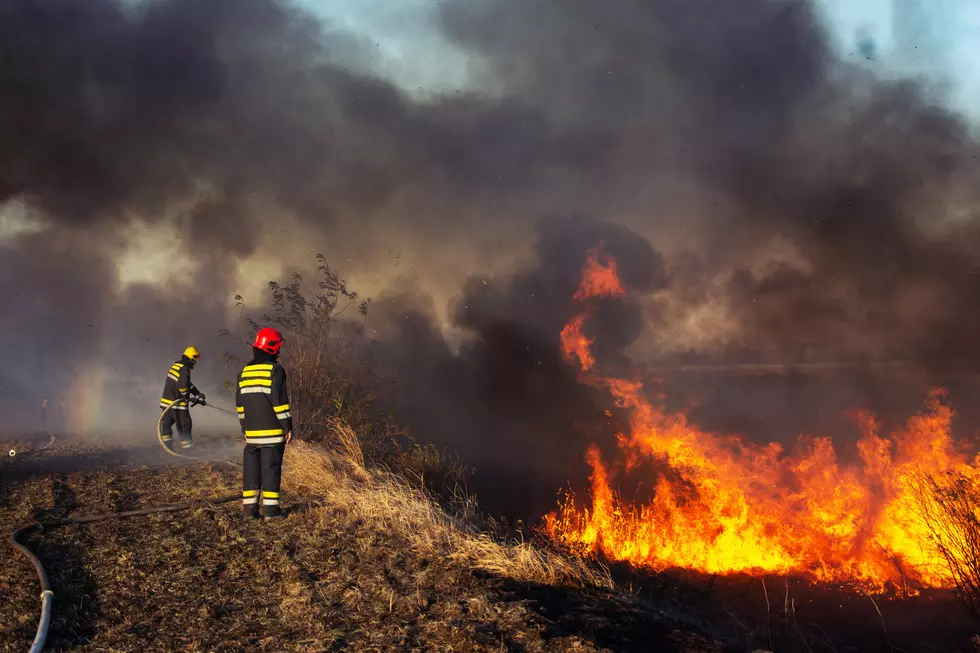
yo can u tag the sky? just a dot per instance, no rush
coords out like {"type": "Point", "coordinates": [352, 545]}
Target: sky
{"type": "Point", "coordinates": [414, 55]}
{"type": "Point", "coordinates": [407, 36]}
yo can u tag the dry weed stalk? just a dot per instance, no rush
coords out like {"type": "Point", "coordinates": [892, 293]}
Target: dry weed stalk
{"type": "Point", "coordinates": [783, 634]}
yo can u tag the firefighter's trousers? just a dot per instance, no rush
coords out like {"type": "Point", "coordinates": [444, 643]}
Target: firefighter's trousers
{"type": "Point", "coordinates": [182, 418]}
{"type": "Point", "coordinates": [261, 476]}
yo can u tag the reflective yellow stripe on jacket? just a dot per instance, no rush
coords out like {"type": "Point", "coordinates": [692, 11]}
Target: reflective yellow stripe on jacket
{"type": "Point", "coordinates": [265, 436]}
{"type": "Point", "coordinates": [177, 405]}
{"type": "Point", "coordinates": [174, 372]}
{"type": "Point", "coordinates": [256, 379]}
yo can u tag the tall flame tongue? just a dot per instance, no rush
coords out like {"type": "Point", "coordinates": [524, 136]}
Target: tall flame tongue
{"type": "Point", "coordinates": [599, 279]}
{"type": "Point", "coordinates": [731, 506]}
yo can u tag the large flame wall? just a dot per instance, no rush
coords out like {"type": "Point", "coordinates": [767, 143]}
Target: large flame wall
{"type": "Point", "coordinates": [730, 506]}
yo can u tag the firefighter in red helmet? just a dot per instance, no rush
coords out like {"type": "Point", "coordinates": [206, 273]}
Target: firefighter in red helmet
{"type": "Point", "coordinates": [263, 409]}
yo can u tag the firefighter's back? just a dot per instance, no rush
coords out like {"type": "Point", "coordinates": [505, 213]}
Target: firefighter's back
{"type": "Point", "coordinates": [260, 384]}
{"type": "Point", "coordinates": [177, 376]}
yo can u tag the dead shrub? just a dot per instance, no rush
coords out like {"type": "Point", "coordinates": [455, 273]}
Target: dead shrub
{"type": "Point", "coordinates": [948, 505]}
{"type": "Point", "coordinates": [335, 391]}
{"type": "Point", "coordinates": [328, 382]}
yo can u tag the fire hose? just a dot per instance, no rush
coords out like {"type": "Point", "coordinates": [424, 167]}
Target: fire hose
{"type": "Point", "coordinates": [47, 595]}
{"type": "Point", "coordinates": [193, 402]}
{"type": "Point", "coordinates": [50, 442]}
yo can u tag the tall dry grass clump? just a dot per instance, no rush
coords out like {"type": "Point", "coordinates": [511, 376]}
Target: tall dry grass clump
{"type": "Point", "coordinates": [391, 502]}
{"type": "Point", "coordinates": [949, 507]}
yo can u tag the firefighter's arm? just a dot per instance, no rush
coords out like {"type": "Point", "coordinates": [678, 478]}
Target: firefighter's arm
{"type": "Point", "coordinates": [184, 382]}
{"type": "Point", "coordinates": [280, 399]}
{"type": "Point", "coordinates": [238, 403]}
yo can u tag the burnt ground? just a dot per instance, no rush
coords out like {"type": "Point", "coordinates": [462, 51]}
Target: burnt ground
{"type": "Point", "coordinates": [323, 580]}
{"type": "Point", "coordinates": [794, 614]}
{"type": "Point", "coordinates": [320, 580]}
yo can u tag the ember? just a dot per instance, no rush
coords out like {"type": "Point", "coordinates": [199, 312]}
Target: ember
{"type": "Point", "coordinates": [731, 506]}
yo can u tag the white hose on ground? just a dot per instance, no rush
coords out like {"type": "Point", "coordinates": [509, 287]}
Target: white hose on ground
{"type": "Point", "coordinates": [47, 597]}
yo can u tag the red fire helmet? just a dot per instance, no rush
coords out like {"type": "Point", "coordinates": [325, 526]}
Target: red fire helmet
{"type": "Point", "coordinates": [268, 340]}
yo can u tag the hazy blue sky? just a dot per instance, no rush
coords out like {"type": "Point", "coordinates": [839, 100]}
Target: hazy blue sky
{"type": "Point", "coordinates": [415, 56]}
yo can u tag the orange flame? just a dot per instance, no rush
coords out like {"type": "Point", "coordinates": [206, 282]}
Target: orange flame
{"type": "Point", "coordinates": [574, 344]}
{"type": "Point", "coordinates": [599, 279]}
{"type": "Point", "coordinates": [731, 506]}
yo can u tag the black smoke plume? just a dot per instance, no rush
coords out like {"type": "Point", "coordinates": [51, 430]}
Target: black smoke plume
{"type": "Point", "coordinates": [507, 400]}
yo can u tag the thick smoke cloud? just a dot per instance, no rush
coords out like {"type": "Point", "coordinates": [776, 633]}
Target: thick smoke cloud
{"type": "Point", "coordinates": [507, 401]}
{"type": "Point", "coordinates": [860, 175]}
{"type": "Point", "coordinates": [783, 146]}
{"type": "Point", "coordinates": [720, 151]}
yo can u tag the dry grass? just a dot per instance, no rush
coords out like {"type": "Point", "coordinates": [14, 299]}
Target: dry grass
{"type": "Point", "coordinates": [390, 501]}
{"type": "Point", "coordinates": [363, 562]}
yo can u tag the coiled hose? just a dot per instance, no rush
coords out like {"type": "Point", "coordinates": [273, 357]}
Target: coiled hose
{"type": "Point", "coordinates": [47, 596]}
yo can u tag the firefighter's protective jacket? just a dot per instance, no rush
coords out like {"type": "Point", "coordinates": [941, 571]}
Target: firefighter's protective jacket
{"type": "Point", "coordinates": [263, 401]}
{"type": "Point", "coordinates": [178, 385]}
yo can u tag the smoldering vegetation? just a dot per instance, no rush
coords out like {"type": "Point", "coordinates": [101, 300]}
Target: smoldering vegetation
{"type": "Point", "coordinates": [734, 165]}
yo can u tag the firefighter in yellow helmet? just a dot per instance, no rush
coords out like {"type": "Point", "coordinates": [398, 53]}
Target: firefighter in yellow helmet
{"type": "Point", "coordinates": [177, 391]}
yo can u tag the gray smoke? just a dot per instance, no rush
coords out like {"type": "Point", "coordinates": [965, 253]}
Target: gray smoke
{"type": "Point", "coordinates": [721, 151]}
{"type": "Point", "coordinates": [862, 176]}
{"type": "Point", "coordinates": [725, 131]}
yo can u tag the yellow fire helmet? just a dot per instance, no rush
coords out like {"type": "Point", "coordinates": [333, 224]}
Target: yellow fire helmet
{"type": "Point", "coordinates": [192, 353]}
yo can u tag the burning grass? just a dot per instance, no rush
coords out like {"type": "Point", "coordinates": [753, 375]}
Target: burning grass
{"type": "Point", "coordinates": [732, 511]}
{"type": "Point", "coordinates": [731, 506]}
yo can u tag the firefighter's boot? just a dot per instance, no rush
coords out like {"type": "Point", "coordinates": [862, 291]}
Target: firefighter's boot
{"type": "Point", "coordinates": [250, 504]}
